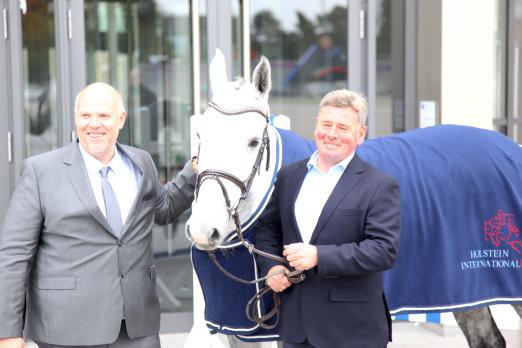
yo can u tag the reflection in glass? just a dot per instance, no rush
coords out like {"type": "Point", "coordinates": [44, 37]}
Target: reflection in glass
{"type": "Point", "coordinates": [390, 68]}
{"type": "Point", "coordinates": [305, 42]}
{"type": "Point", "coordinates": [500, 53]}
{"type": "Point", "coordinates": [517, 70]}
{"type": "Point", "coordinates": [203, 48]}
{"type": "Point", "coordinates": [237, 39]}
{"type": "Point", "coordinates": [39, 77]}
{"type": "Point", "coordinates": [143, 49]}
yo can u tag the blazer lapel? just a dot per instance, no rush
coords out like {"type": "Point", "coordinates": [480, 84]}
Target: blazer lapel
{"type": "Point", "coordinates": [295, 187]}
{"type": "Point", "coordinates": [144, 185]}
{"type": "Point", "coordinates": [346, 183]}
{"type": "Point", "coordinates": [77, 174]}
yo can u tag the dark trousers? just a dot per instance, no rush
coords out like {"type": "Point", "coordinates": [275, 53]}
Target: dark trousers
{"type": "Point", "coordinates": [305, 344]}
{"type": "Point", "coordinates": [123, 341]}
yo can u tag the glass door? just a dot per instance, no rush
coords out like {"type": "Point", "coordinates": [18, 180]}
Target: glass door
{"type": "Point", "coordinates": [5, 129]}
{"type": "Point", "coordinates": [144, 50]}
{"type": "Point", "coordinates": [389, 69]}
{"type": "Point", "coordinates": [515, 75]}
{"type": "Point", "coordinates": [29, 122]}
{"type": "Point", "coordinates": [39, 81]}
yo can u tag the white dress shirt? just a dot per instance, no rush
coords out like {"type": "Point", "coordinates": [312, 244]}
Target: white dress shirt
{"type": "Point", "coordinates": [123, 176]}
{"type": "Point", "coordinates": [314, 193]}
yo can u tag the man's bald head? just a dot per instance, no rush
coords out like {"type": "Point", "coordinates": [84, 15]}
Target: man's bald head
{"type": "Point", "coordinates": [100, 88]}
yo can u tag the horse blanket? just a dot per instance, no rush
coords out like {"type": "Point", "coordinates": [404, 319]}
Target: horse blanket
{"type": "Point", "coordinates": [461, 210]}
{"type": "Point", "coordinates": [226, 299]}
{"type": "Point", "coordinates": [461, 213]}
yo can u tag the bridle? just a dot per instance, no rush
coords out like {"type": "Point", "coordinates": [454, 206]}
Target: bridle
{"type": "Point", "coordinates": [244, 186]}
{"type": "Point", "coordinates": [219, 175]}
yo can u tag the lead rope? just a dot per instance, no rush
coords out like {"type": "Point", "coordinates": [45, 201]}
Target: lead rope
{"type": "Point", "coordinates": [251, 311]}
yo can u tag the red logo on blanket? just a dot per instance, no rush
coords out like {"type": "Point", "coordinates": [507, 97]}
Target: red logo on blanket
{"type": "Point", "coordinates": [501, 229]}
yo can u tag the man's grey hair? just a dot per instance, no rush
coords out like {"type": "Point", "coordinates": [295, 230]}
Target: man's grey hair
{"type": "Point", "coordinates": [343, 98]}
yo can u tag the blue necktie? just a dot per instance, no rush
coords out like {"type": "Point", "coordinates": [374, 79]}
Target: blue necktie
{"type": "Point", "coordinates": [112, 208]}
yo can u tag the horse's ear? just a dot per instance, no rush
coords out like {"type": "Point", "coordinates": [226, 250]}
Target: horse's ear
{"type": "Point", "coordinates": [218, 71]}
{"type": "Point", "coordinates": [261, 78]}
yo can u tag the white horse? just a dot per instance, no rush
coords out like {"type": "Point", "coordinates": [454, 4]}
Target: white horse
{"type": "Point", "coordinates": [239, 155]}
{"type": "Point", "coordinates": [243, 120]}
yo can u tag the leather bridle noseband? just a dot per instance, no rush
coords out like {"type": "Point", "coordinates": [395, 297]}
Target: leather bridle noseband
{"type": "Point", "coordinates": [244, 186]}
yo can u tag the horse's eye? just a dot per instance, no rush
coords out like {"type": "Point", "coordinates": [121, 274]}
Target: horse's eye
{"type": "Point", "coordinates": [253, 142]}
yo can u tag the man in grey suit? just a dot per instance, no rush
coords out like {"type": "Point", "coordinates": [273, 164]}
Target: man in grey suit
{"type": "Point", "coordinates": [76, 265]}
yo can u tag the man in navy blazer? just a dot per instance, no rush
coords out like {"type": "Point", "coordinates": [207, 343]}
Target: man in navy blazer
{"type": "Point", "coordinates": [336, 218]}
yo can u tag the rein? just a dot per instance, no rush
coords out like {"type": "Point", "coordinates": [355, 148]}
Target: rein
{"type": "Point", "coordinates": [244, 186]}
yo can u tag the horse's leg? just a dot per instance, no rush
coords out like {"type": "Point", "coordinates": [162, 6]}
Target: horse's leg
{"type": "Point", "coordinates": [480, 328]}
{"type": "Point", "coordinates": [235, 342]}
{"type": "Point", "coordinates": [518, 309]}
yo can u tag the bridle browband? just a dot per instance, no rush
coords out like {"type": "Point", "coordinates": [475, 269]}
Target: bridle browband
{"type": "Point", "coordinates": [244, 186]}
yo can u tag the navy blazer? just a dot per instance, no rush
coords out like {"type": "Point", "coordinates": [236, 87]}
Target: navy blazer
{"type": "Point", "coordinates": [341, 303]}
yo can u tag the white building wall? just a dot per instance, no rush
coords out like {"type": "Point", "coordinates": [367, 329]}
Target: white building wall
{"type": "Point", "coordinates": [469, 62]}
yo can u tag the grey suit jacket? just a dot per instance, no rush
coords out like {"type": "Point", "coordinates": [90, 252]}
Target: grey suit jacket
{"type": "Point", "coordinates": [60, 262]}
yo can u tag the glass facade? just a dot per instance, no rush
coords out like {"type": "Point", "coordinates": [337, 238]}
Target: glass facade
{"type": "Point", "coordinates": [389, 68]}
{"type": "Point", "coordinates": [306, 44]}
{"type": "Point", "coordinates": [39, 64]}
{"type": "Point", "coordinates": [517, 72]}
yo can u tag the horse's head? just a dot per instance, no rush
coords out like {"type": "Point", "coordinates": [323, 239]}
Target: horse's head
{"type": "Point", "coordinates": [232, 160]}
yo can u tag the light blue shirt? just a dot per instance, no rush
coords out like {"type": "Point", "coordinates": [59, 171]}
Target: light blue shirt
{"type": "Point", "coordinates": [314, 193]}
{"type": "Point", "coordinates": [123, 177]}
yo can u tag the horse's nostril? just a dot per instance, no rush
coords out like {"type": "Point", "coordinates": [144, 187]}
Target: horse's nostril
{"type": "Point", "coordinates": [214, 236]}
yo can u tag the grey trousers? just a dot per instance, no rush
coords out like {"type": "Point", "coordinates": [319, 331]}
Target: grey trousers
{"type": "Point", "coordinates": [123, 341]}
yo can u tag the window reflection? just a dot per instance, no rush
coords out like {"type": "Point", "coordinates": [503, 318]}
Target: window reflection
{"type": "Point", "coordinates": [390, 68]}
{"type": "Point", "coordinates": [203, 48]}
{"type": "Point", "coordinates": [237, 39]}
{"type": "Point", "coordinates": [305, 42]}
{"type": "Point", "coordinates": [39, 56]}
{"type": "Point", "coordinates": [322, 63]}
{"type": "Point", "coordinates": [517, 71]}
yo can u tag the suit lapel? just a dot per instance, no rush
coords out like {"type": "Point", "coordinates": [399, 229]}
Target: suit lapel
{"type": "Point", "coordinates": [346, 183]}
{"type": "Point", "coordinates": [295, 186]}
{"type": "Point", "coordinates": [77, 174]}
{"type": "Point", "coordinates": [144, 185]}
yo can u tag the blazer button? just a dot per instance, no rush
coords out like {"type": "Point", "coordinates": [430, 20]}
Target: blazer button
{"type": "Point", "coordinates": [122, 275]}
{"type": "Point", "coordinates": [120, 244]}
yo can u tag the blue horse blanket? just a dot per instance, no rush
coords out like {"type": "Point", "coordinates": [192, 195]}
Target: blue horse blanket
{"type": "Point", "coordinates": [461, 213]}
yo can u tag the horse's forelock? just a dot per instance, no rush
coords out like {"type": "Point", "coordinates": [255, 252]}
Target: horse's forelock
{"type": "Point", "coordinates": [238, 83]}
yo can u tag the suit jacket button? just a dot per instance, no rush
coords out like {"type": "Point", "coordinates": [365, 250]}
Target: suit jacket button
{"type": "Point", "coordinates": [122, 275]}
{"type": "Point", "coordinates": [120, 244]}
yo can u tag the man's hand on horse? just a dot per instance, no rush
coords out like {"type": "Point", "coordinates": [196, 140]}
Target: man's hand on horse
{"type": "Point", "coordinates": [277, 279]}
{"type": "Point", "coordinates": [14, 342]}
{"type": "Point", "coordinates": [301, 256]}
